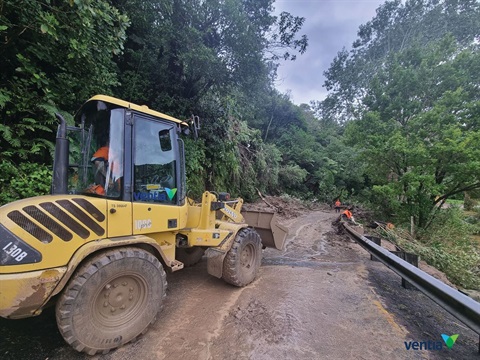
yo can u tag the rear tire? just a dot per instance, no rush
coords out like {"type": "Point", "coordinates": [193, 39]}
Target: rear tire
{"type": "Point", "coordinates": [111, 299]}
{"type": "Point", "coordinates": [242, 261]}
{"type": "Point", "coordinates": [189, 256]}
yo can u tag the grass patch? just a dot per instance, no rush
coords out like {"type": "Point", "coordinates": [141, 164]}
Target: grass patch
{"type": "Point", "coordinates": [454, 202]}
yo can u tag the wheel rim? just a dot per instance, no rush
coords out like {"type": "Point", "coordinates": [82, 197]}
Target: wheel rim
{"type": "Point", "coordinates": [247, 257]}
{"type": "Point", "coordinates": [120, 300]}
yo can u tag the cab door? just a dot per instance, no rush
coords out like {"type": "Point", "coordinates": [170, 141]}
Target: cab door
{"type": "Point", "coordinates": [119, 212]}
{"type": "Point", "coordinates": [156, 176]}
{"type": "Point", "coordinates": [119, 215]}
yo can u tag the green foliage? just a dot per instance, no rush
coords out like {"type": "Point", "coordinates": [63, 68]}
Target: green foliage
{"type": "Point", "coordinates": [407, 96]}
{"type": "Point", "coordinates": [292, 177]}
{"type": "Point", "coordinates": [55, 55]}
{"type": "Point", "coordinates": [195, 167]}
{"type": "Point", "coordinates": [201, 49]}
{"type": "Point", "coordinates": [316, 161]}
{"type": "Point", "coordinates": [470, 200]}
{"type": "Point", "coordinates": [449, 226]}
{"type": "Point", "coordinates": [419, 138]}
{"type": "Point", "coordinates": [448, 246]}
{"type": "Point", "coordinates": [459, 261]}
{"type": "Point", "coordinates": [398, 26]}
{"type": "Point", "coordinates": [385, 201]}
{"type": "Point", "coordinates": [236, 159]}
{"type": "Point", "coordinates": [230, 155]}
{"type": "Point", "coordinates": [268, 169]}
{"type": "Point", "coordinates": [50, 50]}
{"type": "Point", "coordinates": [25, 180]}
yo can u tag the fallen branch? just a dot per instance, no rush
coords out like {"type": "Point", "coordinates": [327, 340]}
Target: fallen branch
{"type": "Point", "coordinates": [278, 209]}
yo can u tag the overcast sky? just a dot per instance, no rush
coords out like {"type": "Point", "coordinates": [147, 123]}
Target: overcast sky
{"type": "Point", "coordinates": [329, 25]}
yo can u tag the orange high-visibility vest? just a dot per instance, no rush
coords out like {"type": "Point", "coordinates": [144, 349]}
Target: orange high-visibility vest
{"type": "Point", "coordinates": [338, 203]}
{"type": "Point", "coordinates": [347, 213]}
{"type": "Point", "coordinates": [101, 153]}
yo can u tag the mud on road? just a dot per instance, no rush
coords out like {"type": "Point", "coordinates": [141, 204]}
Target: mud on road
{"type": "Point", "coordinates": [322, 298]}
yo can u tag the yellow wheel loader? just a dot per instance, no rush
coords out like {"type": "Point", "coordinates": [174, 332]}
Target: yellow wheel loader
{"type": "Point", "coordinates": [118, 215]}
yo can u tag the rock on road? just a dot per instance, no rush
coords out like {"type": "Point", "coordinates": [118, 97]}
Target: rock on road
{"type": "Point", "coordinates": [322, 298]}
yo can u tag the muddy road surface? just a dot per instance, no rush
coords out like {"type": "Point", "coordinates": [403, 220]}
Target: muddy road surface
{"type": "Point", "coordinates": [322, 298]}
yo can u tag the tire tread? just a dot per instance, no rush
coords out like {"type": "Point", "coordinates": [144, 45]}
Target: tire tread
{"type": "Point", "coordinates": [231, 272]}
{"type": "Point", "coordinates": [69, 296]}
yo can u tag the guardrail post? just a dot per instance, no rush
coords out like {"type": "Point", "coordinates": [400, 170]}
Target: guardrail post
{"type": "Point", "coordinates": [377, 241]}
{"type": "Point", "coordinates": [411, 259]}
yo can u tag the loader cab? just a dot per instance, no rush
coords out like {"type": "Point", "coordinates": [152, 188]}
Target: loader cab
{"type": "Point", "coordinates": [125, 152]}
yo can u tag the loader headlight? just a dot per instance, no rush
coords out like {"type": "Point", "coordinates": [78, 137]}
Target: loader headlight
{"type": "Point", "coordinates": [223, 196]}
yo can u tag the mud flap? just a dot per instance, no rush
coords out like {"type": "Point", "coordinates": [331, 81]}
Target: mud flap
{"type": "Point", "coordinates": [215, 257]}
{"type": "Point", "coordinates": [272, 234]}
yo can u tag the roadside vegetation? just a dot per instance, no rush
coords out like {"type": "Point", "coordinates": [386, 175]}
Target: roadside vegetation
{"type": "Point", "coordinates": [449, 245]}
{"type": "Point", "coordinates": [399, 130]}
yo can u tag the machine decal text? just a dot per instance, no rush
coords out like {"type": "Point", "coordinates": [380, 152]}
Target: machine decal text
{"type": "Point", "coordinates": [143, 224]}
{"type": "Point", "coordinates": [231, 213]}
{"type": "Point", "coordinates": [14, 251]}
{"type": "Point", "coordinates": [150, 196]}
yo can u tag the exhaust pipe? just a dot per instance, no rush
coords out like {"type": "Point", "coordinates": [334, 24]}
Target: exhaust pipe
{"type": "Point", "coordinates": [60, 163]}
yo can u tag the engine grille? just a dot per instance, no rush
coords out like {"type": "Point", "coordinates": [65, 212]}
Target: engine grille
{"type": "Point", "coordinates": [48, 222]}
{"type": "Point", "coordinates": [66, 219]}
{"type": "Point", "coordinates": [60, 222]}
{"type": "Point", "coordinates": [29, 226]}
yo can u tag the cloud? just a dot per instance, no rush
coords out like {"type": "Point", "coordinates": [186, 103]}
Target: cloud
{"type": "Point", "coordinates": [330, 26]}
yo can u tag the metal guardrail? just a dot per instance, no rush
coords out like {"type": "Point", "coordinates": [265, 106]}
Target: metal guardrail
{"type": "Point", "coordinates": [459, 305]}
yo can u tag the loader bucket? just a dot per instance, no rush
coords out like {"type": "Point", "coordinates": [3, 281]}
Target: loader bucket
{"type": "Point", "coordinates": [272, 234]}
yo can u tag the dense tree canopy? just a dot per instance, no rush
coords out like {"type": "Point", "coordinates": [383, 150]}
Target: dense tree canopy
{"type": "Point", "coordinates": [55, 54]}
{"type": "Point", "coordinates": [52, 56]}
{"type": "Point", "coordinates": [397, 27]}
{"type": "Point", "coordinates": [412, 110]}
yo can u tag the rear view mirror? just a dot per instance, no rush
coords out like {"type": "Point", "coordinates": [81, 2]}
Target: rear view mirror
{"type": "Point", "coordinates": [195, 125]}
{"type": "Point", "coordinates": [165, 141]}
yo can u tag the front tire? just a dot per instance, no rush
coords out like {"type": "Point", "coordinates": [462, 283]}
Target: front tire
{"type": "Point", "coordinates": [111, 299]}
{"type": "Point", "coordinates": [242, 261]}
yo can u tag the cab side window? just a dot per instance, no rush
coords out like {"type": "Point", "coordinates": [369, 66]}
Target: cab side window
{"type": "Point", "coordinates": [154, 162]}
{"type": "Point", "coordinates": [104, 152]}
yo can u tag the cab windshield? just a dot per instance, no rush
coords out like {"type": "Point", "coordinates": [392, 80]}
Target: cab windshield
{"type": "Point", "coordinates": [96, 151]}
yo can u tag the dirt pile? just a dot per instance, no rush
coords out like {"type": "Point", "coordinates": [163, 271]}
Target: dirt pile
{"type": "Point", "coordinates": [287, 207]}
